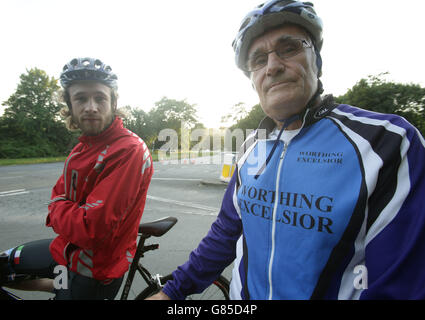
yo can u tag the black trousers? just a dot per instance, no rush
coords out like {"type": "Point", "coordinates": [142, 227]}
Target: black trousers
{"type": "Point", "coordinates": [34, 259]}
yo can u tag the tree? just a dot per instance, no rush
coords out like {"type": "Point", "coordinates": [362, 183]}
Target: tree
{"type": "Point", "coordinates": [168, 114]}
{"type": "Point", "coordinates": [174, 115]}
{"type": "Point", "coordinates": [31, 125]}
{"type": "Point", "coordinates": [242, 118]}
{"type": "Point", "coordinates": [171, 113]}
{"type": "Point", "coordinates": [373, 93]}
{"type": "Point", "coordinates": [244, 122]}
{"type": "Point", "coordinates": [138, 122]}
{"type": "Point", "coordinates": [379, 95]}
{"type": "Point", "coordinates": [237, 112]}
{"type": "Point", "coordinates": [251, 120]}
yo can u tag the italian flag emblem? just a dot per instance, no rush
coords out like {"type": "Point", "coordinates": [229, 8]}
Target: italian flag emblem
{"type": "Point", "coordinates": [17, 255]}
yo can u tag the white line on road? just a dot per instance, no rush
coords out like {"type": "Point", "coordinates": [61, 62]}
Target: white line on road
{"type": "Point", "coordinates": [13, 192]}
{"type": "Point", "coordinates": [13, 177]}
{"type": "Point", "coordinates": [186, 204]}
{"type": "Point", "coordinates": [176, 179]}
{"type": "Point", "coordinates": [10, 191]}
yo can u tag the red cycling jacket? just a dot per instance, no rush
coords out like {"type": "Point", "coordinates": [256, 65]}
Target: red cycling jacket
{"type": "Point", "coordinates": [98, 202]}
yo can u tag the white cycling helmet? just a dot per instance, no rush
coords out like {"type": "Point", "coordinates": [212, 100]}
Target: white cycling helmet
{"type": "Point", "coordinates": [272, 14]}
{"type": "Point", "coordinates": [79, 69]}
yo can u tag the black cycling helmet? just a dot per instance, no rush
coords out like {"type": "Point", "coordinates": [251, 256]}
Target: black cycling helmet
{"type": "Point", "coordinates": [272, 14]}
{"type": "Point", "coordinates": [87, 69]}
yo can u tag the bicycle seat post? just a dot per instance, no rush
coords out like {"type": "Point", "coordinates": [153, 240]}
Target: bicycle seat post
{"type": "Point", "coordinates": [133, 266]}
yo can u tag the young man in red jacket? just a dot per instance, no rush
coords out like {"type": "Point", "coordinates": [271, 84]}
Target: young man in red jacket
{"type": "Point", "coordinates": [97, 203]}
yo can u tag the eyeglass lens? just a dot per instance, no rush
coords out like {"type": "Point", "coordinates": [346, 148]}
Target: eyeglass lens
{"type": "Point", "coordinates": [284, 49]}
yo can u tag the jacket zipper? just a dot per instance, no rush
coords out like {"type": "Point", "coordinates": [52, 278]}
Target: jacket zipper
{"type": "Point", "coordinates": [64, 177]}
{"type": "Point", "coordinates": [282, 157]}
{"type": "Point", "coordinates": [73, 187]}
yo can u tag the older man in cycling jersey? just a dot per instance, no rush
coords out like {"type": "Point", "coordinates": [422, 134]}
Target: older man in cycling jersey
{"type": "Point", "coordinates": [326, 201]}
{"type": "Point", "coordinates": [97, 203]}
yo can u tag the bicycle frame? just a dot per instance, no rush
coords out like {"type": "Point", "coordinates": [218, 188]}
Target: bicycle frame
{"type": "Point", "coordinates": [154, 283]}
{"type": "Point", "coordinates": [136, 266]}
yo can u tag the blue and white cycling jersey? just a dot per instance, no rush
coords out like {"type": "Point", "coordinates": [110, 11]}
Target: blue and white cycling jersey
{"type": "Point", "coordinates": [341, 201]}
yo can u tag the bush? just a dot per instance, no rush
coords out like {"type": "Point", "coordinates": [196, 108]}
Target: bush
{"type": "Point", "coordinates": [13, 149]}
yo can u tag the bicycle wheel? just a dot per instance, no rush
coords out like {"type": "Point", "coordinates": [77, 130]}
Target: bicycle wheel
{"type": "Point", "coordinates": [218, 290]}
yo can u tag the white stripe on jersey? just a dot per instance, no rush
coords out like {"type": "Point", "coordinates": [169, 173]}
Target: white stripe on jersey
{"type": "Point", "coordinates": [372, 163]}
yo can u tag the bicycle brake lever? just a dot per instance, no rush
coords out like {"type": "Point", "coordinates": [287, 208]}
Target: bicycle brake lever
{"type": "Point", "coordinates": [157, 279]}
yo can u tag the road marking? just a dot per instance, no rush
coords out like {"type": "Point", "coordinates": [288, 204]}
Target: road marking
{"type": "Point", "coordinates": [11, 177]}
{"type": "Point", "coordinates": [13, 192]}
{"type": "Point", "coordinates": [10, 191]}
{"type": "Point", "coordinates": [186, 204]}
{"type": "Point", "coordinates": [176, 179]}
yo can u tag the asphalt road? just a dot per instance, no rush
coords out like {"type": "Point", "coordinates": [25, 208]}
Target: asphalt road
{"type": "Point", "coordinates": [176, 190]}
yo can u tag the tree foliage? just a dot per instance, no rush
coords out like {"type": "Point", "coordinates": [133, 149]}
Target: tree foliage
{"type": "Point", "coordinates": [166, 114]}
{"type": "Point", "coordinates": [243, 119]}
{"type": "Point", "coordinates": [31, 126]}
{"type": "Point", "coordinates": [172, 114]}
{"type": "Point", "coordinates": [374, 93]}
{"type": "Point", "coordinates": [236, 113]}
{"type": "Point", "coordinates": [379, 95]}
{"type": "Point", "coordinates": [252, 119]}
{"type": "Point", "coordinates": [138, 122]}
{"type": "Point", "coordinates": [240, 117]}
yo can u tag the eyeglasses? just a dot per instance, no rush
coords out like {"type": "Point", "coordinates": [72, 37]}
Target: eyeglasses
{"type": "Point", "coordinates": [285, 48]}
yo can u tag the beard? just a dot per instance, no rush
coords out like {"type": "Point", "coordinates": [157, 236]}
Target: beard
{"type": "Point", "coordinates": [93, 125]}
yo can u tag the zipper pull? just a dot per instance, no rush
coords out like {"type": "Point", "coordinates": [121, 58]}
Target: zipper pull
{"type": "Point", "coordinates": [285, 146]}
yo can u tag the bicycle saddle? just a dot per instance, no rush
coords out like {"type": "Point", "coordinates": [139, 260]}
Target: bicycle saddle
{"type": "Point", "coordinates": [157, 228]}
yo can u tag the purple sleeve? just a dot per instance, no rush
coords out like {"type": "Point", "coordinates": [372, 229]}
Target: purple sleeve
{"type": "Point", "coordinates": [214, 253]}
{"type": "Point", "coordinates": [395, 256]}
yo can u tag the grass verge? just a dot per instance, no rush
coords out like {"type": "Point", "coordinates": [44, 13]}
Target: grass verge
{"type": "Point", "coordinates": [11, 162]}
{"type": "Point", "coordinates": [173, 155]}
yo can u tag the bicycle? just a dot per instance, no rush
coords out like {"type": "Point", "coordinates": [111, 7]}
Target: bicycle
{"type": "Point", "coordinates": [218, 290]}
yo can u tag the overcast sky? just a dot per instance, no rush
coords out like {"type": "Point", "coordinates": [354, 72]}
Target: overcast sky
{"type": "Point", "coordinates": [182, 49]}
